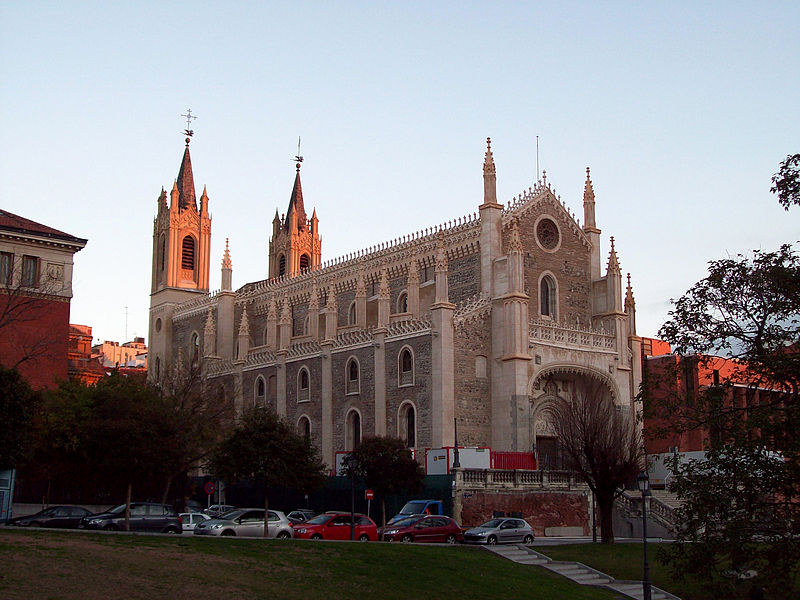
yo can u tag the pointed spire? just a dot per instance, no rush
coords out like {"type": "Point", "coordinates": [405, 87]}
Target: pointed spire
{"type": "Point", "coordinates": [185, 183]}
{"type": "Point", "coordinates": [441, 254]}
{"type": "Point", "coordinates": [209, 328]}
{"type": "Point", "coordinates": [488, 158]}
{"type": "Point", "coordinates": [630, 303]}
{"type": "Point", "coordinates": [296, 204]}
{"type": "Point", "coordinates": [514, 244]}
{"type": "Point", "coordinates": [383, 288]}
{"type": "Point", "coordinates": [162, 199]}
{"type": "Point", "coordinates": [489, 176]}
{"type": "Point", "coordinates": [204, 201]}
{"type": "Point", "coordinates": [588, 203]}
{"type": "Point", "coordinates": [286, 312]}
{"type": "Point", "coordinates": [361, 287]}
{"type": "Point", "coordinates": [313, 300]}
{"type": "Point", "coordinates": [244, 325]}
{"type": "Point", "coordinates": [226, 257]}
{"type": "Point", "coordinates": [613, 262]}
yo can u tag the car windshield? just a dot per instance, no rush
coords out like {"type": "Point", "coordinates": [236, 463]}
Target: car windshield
{"type": "Point", "coordinates": [407, 522]}
{"type": "Point", "coordinates": [319, 520]}
{"type": "Point", "coordinates": [231, 515]}
{"type": "Point", "coordinates": [492, 523]}
{"type": "Point", "coordinates": [414, 507]}
{"type": "Point", "coordinates": [117, 509]}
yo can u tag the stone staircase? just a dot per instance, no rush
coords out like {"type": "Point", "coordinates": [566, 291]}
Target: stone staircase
{"type": "Point", "coordinates": [666, 497]}
{"type": "Point", "coordinates": [578, 572]}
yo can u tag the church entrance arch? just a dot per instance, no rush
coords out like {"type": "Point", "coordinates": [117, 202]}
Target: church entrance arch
{"type": "Point", "coordinates": [547, 389]}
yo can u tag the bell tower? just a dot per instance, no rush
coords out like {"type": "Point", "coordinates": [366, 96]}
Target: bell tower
{"type": "Point", "coordinates": [295, 245]}
{"type": "Point", "coordinates": [181, 251]}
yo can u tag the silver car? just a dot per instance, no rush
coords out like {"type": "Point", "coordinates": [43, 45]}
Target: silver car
{"type": "Point", "coordinates": [500, 531]}
{"type": "Point", "coordinates": [247, 522]}
{"type": "Point", "coordinates": [191, 519]}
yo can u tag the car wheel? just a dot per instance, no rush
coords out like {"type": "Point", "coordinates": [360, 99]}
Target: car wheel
{"type": "Point", "coordinates": [528, 539]}
{"type": "Point", "coordinates": [316, 536]}
{"type": "Point", "coordinates": [172, 531]}
{"type": "Point", "coordinates": [406, 538]}
{"type": "Point", "coordinates": [228, 532]}
{"type": "Point", "coordinates": [111, 527]}
{"type": "Point", "coordinates": [451, 539]}
{"type": "Point", "coordinates": [492, 540]}
{"type": "Point", "coordinates": [363, 538]}
{"type": "Point", "coordinates": [283, 535]}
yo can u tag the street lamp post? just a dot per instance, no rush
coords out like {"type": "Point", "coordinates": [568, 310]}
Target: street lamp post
{"type": "Point", "coordinates": [644, 486]}
{"type": "Point", "coordinates": [456, 462]}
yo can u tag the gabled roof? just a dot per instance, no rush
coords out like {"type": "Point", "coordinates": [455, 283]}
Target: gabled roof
{"type": "Point", "coordinates": [11, 222]}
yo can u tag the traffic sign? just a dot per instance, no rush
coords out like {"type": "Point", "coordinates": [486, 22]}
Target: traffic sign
{"type": "Point", "coordinates": [209, 487]}
{"type": "Point", "coordinates": [368, 495]}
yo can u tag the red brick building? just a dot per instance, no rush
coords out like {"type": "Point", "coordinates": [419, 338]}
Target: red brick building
{"type": "Point", "coordinates": [81, 365]}
{"type": "Point", "coordinates": [36, 264]}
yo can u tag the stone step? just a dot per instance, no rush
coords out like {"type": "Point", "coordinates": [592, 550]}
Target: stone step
{"type": "Point", "coordinates": [590, 578]}
{"type": "Point", "coordinates": [533, 560]}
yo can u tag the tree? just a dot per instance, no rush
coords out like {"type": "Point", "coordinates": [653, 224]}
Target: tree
{"type": "Point", "coordinates": [266, 449]}
{"type": "Point", "coordinates": [18, 404]}
{"type": "Point", "coordinates": [786, 182]}
{"type": "Point", "coordinates": [741, 503]}
{"type": "Point", "coordinates": [600, 441]}
{"type": "Point", "coordinates": [386, 466]}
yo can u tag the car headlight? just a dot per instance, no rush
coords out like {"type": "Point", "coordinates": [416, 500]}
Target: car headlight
{"type": "Point", "coordinates": [93, 521]}
{"type": "Point", "coordinates": [301, 530]}
{"type": "Point", "coordinates": [480, 533]}
{"type": "Point", "coordinates": [216, 526]}
{"type": "Point", "coordinates": [390, 531]}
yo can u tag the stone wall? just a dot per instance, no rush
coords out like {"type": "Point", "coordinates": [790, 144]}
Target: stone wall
{"type": "Point", "coordinates": [472, 393]}
{"type": "Point", "coordinates": [419, 394]}
{"type": "Point", "coordinates": [541, 509]}
{"type": "Point", "coordinates": [464, 278]}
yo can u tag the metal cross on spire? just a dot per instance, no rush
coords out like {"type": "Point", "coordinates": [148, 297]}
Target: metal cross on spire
{"type": "Point", "coordinates": [188, 116]}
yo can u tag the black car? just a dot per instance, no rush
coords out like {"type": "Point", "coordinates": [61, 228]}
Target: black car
{"type": "Point", "coordinates": [301, 515]}
{"type": "Point", "coordinates": [145, 516]}
{"type": "Point", "coordinates": [66, 517]}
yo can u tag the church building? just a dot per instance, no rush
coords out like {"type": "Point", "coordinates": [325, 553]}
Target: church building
{"type": "Point", "coordinates": [484, 320]}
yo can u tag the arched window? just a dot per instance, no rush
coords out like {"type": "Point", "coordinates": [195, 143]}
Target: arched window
{"type": "Point", "coordinates": [351, 313]}
{"type": "Point", "coordinates": [407, 424]}
{"type": "Point", "coordinates": [194, 350]}
{"type": "Point", "coordinates": [305, 263]}
{"type": "Point", "coordinates": [187, 253]}
{"type": "Point", "coordinates": [281, 265]}
{"type": "Point", "coordinates": [351, 377]}
{"type": "Point", "coordinates": [303, 385]}
{"type": "Point", "coordinates": [405, 367]}
{"type": "Point", "coordinates": [402, 302]}
{"type": "Point", "coordinates": [353, 430]}
{"type": "Point", "coordinates": [304, 428]}
{"type": "Point", "coordinates": [260, 391]}
{"type": "Point", "coordinates": [547, 297]}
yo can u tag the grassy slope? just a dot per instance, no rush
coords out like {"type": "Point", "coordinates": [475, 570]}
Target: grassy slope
{"type": "Point", "coordinates": [67, 565]}
{"type": "Point", "coordinates": [624, 561]}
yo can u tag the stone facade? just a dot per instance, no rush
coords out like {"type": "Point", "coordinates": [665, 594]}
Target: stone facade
{"type": "Point", "coordinates": [484, 319]}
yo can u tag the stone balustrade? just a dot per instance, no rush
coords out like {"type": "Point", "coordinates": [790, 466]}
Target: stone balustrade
{"type": "Point", "coordinates": [516, 479]}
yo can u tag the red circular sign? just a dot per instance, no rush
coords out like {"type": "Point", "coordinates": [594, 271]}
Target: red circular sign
{"type": "Point", "coordinates": [209, 487]}
{"type": "Point", "coordinates": [368, 494]}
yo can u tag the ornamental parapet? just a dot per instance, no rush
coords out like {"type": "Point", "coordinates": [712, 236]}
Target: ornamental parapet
{"type": "Point", "coordinates": [549, 333]}
{"type": "Point", "coordinates": [518, 479]}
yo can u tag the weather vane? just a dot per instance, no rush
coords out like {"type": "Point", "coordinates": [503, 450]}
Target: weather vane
{"type": "Point", "coordinates": [188, 116]}
{"type": "Point", "coordinates": [298, 159]}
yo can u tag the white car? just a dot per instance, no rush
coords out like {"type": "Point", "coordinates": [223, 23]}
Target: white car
{"type": "Point", "coordinates": [247, 522]}
{"type": "Point", "coordinates": [191, 519]}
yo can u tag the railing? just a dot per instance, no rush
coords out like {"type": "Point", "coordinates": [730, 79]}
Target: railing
{"type": "Point", "coordinates": [631, 504]}
{"type": "Point", "coordinates": [518, 478]}
{"type": "Point", "coordinates": [551, 333]}
{"type": "Point", "coordinates": [514, 460]}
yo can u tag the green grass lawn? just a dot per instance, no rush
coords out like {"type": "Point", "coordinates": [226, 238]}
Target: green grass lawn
{"type": "Point", "coordinates": [55, 565]}
{"type": "Point", "coordinates": [625, 561]}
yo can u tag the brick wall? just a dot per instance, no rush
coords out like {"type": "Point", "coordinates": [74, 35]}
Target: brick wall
{"type": "Point", "coordinates": [464, 278]}
{"type": "Point", "coordinates": [540, 509]}
{"type": "Point", "coordinates": [473, 394]}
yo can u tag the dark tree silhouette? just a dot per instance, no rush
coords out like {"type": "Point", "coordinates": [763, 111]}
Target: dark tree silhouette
{"type": "Point", "coordinates": [786, 182]}
{"type": "Point", "coordinates": [18, 403]}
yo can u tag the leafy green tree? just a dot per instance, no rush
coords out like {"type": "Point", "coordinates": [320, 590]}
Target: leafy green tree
{"type": "Point", "coordinates": [741, 510]}
{"type": "Point", "coordinates": [386, 466]}
{"type": "Point", "coordinates": [18, 404]}
{"type": "Point", "coordinates": [601, 443]}
{"type": "Point", "coordinates": [265, 449]}
{"type": "Point", "coordinates": [786, 182]}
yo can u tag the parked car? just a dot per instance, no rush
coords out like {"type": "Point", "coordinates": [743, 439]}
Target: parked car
{"type": "Point", "coordinates": [418, 507]}
{"type": "Point", "coordinates": [247, 522]}
{"type": "Point", "coordinates": [145, 516]}
{"type": "Point", "coordinates": [301, 515]}
{"type": "Point", "coordinates": [500, 531]}
{"type": "Point", "coordinates": [423, 529]}
{"type": "Point", "coordinates": [217, 510]}
{"type": "Point", "coordinates": [191, 519]}
{"type": "Point", "coordinates": [67, 517]}
{"type": "Point", "coordinates": [336, 526]}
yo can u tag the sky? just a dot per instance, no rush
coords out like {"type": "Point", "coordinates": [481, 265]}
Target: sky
{"type": "Point", "coordinates": [683, 111]}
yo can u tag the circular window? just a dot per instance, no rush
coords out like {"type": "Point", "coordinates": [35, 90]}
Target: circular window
{"type": "Point", "coordinates": [547, 234]}
{"type": "Point", "coordinates": [158, 325]}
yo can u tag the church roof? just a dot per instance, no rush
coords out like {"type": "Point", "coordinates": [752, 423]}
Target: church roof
{"type": "Point", "coordinates": [185, 182]}
{"type": "Point", "coordinates": [296, 203]}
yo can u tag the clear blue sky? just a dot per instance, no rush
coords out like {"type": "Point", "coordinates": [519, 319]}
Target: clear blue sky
{"type": "Point", "coordinates": [682, 110]}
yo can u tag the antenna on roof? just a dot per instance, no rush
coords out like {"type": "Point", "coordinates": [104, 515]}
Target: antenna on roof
{"type": "Point", "coordinates": [537, 158]}
{"type": "Point", "coordinates": [298, 159]}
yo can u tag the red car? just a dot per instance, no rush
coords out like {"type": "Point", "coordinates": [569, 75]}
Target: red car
{"type": "Point", "coordinates": [336, 526]}
{"type": "Point", "coordinates": [424, 529]}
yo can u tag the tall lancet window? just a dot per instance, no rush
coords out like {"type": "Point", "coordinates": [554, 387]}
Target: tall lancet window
{"type": "Point", "coordinates": [547, 297]}
{"type": "Point", "coordinates": [187, 253]}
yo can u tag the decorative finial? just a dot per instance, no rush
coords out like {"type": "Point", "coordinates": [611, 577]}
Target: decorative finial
{"type": "Point", "coordinates": [188, 132]}
{"type": "Point", "coordinates": [544, 177]}
{"type": "Point", "coordinates": [298, 158]}
{"type": "Point", "coordinates": [489, 144]}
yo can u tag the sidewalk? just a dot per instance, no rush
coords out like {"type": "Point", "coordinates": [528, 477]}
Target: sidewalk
{"type": "Point", "coordinates": [577, 572]}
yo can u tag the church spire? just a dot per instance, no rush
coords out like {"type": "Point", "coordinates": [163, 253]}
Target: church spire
{"type": "Point", "coordinates": [185, 182]}
{"type": "Point", "coordinates": [296, 207]}
{"type": "Point", "coordinates": [489, 175]}
{"type": "Point", "coordinates": [588, 204]}
{"type": "Point", "coordinates": [613, 261]}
